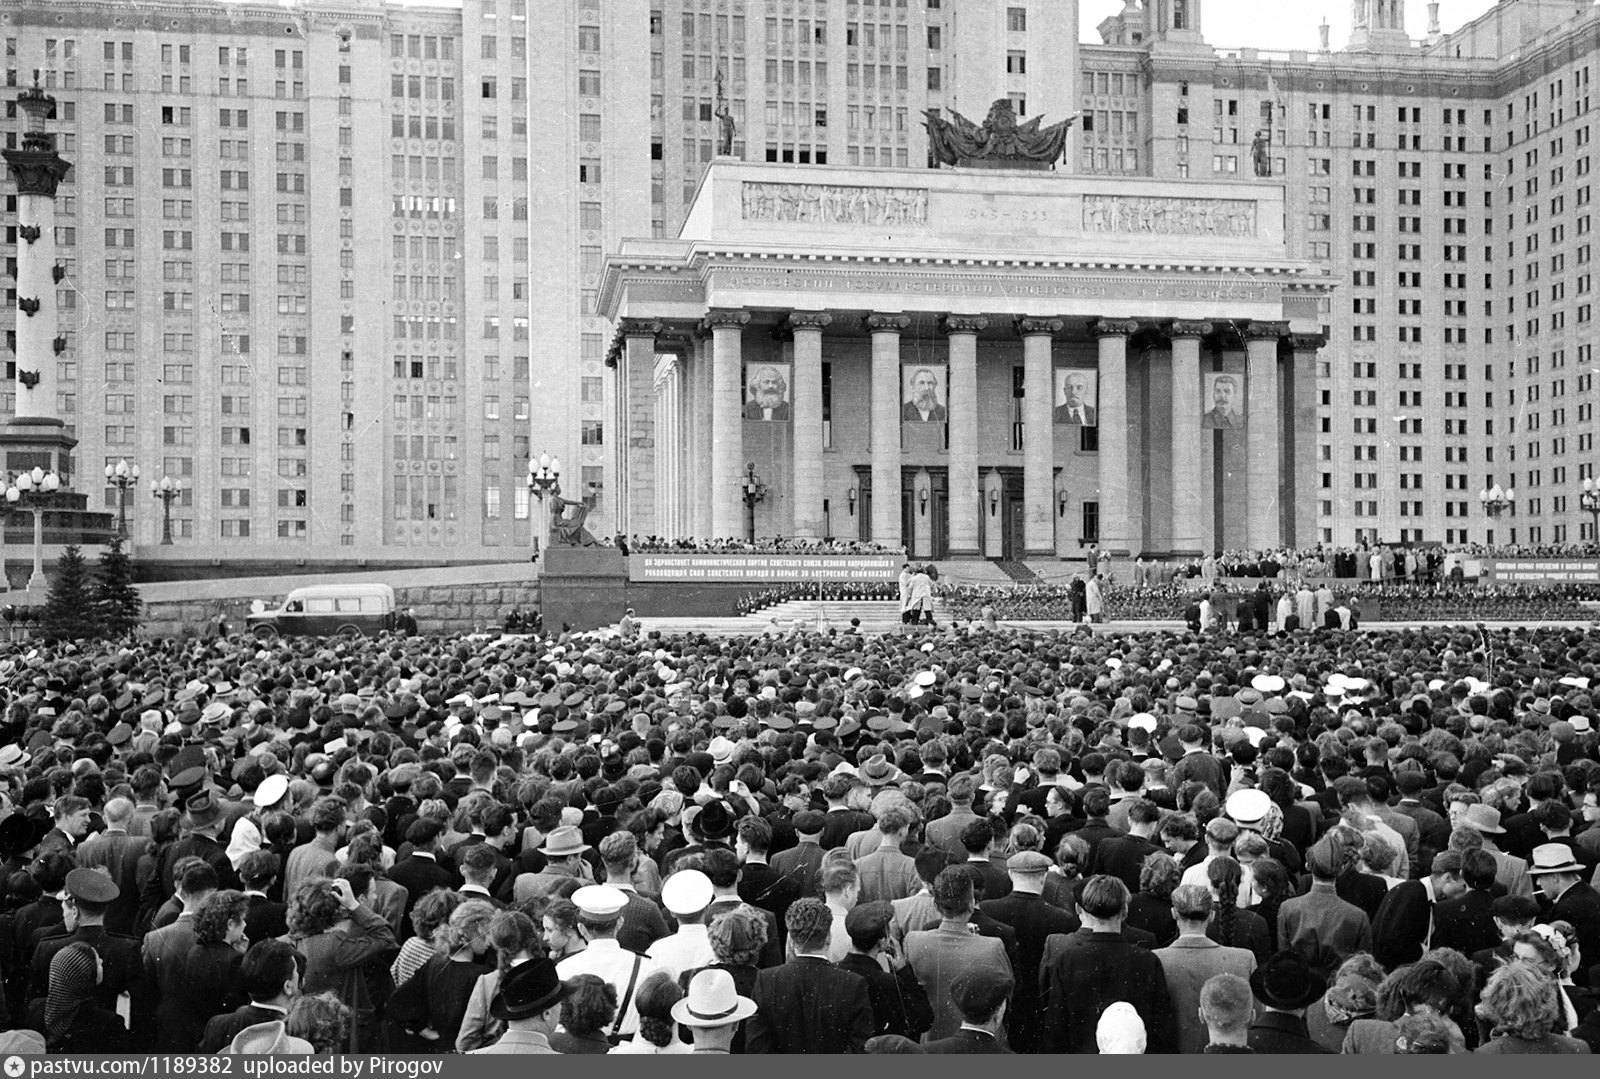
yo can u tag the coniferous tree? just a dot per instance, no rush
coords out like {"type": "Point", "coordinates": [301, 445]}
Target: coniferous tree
{"type": "Point", "coordinates": [115, 598]}
{"type": "Point", "coordinates": [69, 613]}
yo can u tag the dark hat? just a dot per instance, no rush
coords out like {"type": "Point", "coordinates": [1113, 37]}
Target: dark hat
{"type": "Point", "coordinates": [119, 734]}
{"type": "Point", "coordinates": [868, 921]}
{"type": "Point", "coordinates": [92, 886]}
{"type": "Point", "coordinates": [977, 992]}
{"type": "Point", "coordinates": [19, 832]}
{"type": "Point", "coordinates": [714, 821]}
{"type": "Point", "coordinates": [201, 810]}
{"type": "Point", "coordinates": [528, 989]}
{"type": "Point", "coordinates": [1286, 981]}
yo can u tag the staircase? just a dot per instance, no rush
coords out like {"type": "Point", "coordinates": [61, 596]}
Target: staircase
{"type": "Point", "coordinates": [1018, 572]}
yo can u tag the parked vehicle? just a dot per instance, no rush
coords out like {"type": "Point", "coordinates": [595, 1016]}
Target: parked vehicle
{"type": "Point", "coordinates": [323, 610]}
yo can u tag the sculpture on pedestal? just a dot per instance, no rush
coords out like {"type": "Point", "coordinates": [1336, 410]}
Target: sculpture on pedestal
{"type": "Point", "coordinates": [567, 530]}
{"type": "Point", "coordinates": [1001, 142]}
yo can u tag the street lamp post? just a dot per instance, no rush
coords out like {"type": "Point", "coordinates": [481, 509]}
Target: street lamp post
{"type": "Point", "coordinates": [166, 489]}
{"type": "Point", "coordinates": [122, 476]}
{"type": "Point", "coordinates": [1495, 501]}
{"type": "Point", "coordinates": [544, 477]}
{"type": "Point", "coordinates": [755, 492]}
{"type": "Point", "coordinates": [34, 491]}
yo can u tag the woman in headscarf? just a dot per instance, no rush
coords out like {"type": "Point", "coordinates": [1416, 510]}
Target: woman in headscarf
{"type": "Point", "coordinates": [1353, 996]}
{"type": "Point", "coordinates": [72, 1022]}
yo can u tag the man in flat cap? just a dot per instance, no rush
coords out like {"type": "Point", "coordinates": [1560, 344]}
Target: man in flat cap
{"type": "Point", "coordinates": [89, 894]}
{"type": "Point", "coordinates": [1320, 926]}
{"type": "Point", "coordinates": [1026, 911]}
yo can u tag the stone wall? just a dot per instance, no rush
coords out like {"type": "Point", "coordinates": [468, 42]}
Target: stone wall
{"type": "Point", "coordinates": [459, 608]}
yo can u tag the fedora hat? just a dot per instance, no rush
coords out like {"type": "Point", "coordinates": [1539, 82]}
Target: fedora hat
{"type": "Point", "coordinates": [201, 810]}
{"type": "Point", "coordinates": [1484, 818]}
{"type": "Point", "coordinates": [528, 989]}
{"type": "Point", "coordinates": [563, 842]}
{"type": "Point", "coordinates": [1287, 982]}
{"type": "Point", "coordinates": [714, 821]}
{"type": "Point", "coordinates": [878, 771]}
{"type": "Point", "coordinates": [1553, 858]}
{"type": "Point", "coordinates": [712, 1001]}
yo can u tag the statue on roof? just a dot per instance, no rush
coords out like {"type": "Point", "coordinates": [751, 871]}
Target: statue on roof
{"type": "Point", "coordinates": [1001, 142]}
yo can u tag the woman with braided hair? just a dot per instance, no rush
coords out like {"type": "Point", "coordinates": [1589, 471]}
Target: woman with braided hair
{"type": "Point", "coordinates": [1230, 926]}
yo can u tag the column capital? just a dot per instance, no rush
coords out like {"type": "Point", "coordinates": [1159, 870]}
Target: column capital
{"type": "Point", "coordinates": [877, 323]}
{"type": "Point", "coordinates": [1260, 331]}
{"type": "Point", "coordinates": [639, 327]}
{"type": "Point", "coordinates": [1113, 327]}
{"type": "Point", "coordinates": [1184, 328]}
{"type": "Point", "coordinates": [964, 324]}
{"type": "Point", "coordinates": [1038, 327]}
{"type": "Point", "coordinates": [808, 320]}
{"type": "Point", "coordinates": [1307, 342]}
{"type": "Point", "coordinates": [725, 317]}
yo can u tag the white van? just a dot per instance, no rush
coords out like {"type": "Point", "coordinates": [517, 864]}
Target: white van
{"type": "Point", "coordinates": [322, 610]}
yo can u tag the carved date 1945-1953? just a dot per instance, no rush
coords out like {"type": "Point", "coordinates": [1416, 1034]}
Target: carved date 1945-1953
{"type": "Point", "coordinates": [1019, 216]}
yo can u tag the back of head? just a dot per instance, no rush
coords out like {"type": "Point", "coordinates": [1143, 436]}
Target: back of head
{"type": "Point", "coordinates": [1192, 903]}
{"type": "Point", "coordinates": [953, 891]}
{"type": "Point", "coordinates": [810, 924]}
{"type": "Point", "coordinates": [266, 967]}
{"type": "Point", "coordinates": [1227, 1002]}
{"type": "Point", "coordinates": [1104, 897]}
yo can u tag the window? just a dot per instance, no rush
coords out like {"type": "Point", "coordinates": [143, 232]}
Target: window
{"type": "Point", "coordinates": [1016, 19]}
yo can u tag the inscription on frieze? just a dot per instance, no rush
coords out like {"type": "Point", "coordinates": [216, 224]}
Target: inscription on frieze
{"type": "Point", "coordinates": [1169, 216]}
{"type": "Point", "coordinates": [756, 280]}
{"type": "Point", "coordinates": [835, 204]}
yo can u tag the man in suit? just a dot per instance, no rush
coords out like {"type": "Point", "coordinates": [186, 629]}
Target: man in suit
{"type": "Point", "coordinates": [529, 1003]}
{"type": "Point", "coordinates": [421, 871]}
{"type": "Point", "coordinates": [945, 832]}
{"type": "Point", "coordinates": [1285, 986]}
{"type": "Point", "coordinates": [801, 863]}
{"type": "Point", "coordinates": [1466, 923]}
{"type": "Point", "coordinates": [768, 395]}
{"type": "Point", "coordinates": [976, 840]}
{"type": "Point", "coordinates": [1122, 856]}
{"type": "Point", "coordinates": [888, 873]}
{"type": "Point", "coordinates": [841, 821]}
{"type": "Point", "coordinates": [642, 921]}
{"type": "Point", "coordinates": [1406, 917]}
{"type": "Point", "coordinates": [1559, 877]}
{"type": "Point", "coordinates": [1226, 1008]}
{"type": "Point", "coordinates": [1034, 920]}
{"type": "Point", "coordinates": [118, 853]}
{"type": "Point", "coordinates": [71, 824]}
{"type": "Point", "coordinates": [271, 975]}
{"type": "Point", "coordinates": [808, 1005]}
{"type": "Point", "coordinates": [760, 884]}
{"type": "Point", "coordinates": [983, 999]}
{"type": "Point", "coordinates": [202, 822]}
{"type": "Point", "coordinates": [721, 866]}
{"type": "Point", "coordinates": [1433, 831]}
{"type": "Point", "coordinates": [1224, 411]}
{"type": "Point", "coordinates": [899, 1006]}
{"type": "Point", "coordinates": [263, 919]}
{"type": "Point", "coordinates": [89, 895]}
{"type": "Point", "coordinates": [938, 955]}
{"type": "Point", "coordinates": [923, 405]}
{"type": "Point", "coordinates": [1319, 925]}
{"type": "Point", "coordinates": [161, 1011]}
{"type": "Point", "coordinates": [917, 911]}
{"type": "Point", "coordinates": [1193, 959]}
{"type": "Point", "coordinates": [317, 858]}
{"type": "Point", "coordinates": [1096, 967]}
{"type": "Point", "coordinates": [1075, 407]}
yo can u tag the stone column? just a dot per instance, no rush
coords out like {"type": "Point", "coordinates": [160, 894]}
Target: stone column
{"type": "Point", "coordinates": [700, 437]}
{"type": "Point", "coordinates": [807, 327]}
{"type": "Point", "coordinates": [1300, 440]}
{"type": "Point", "coordinates": [1184, 434]}
{"type": "Point", "coordinates": [885, 330]}
{"type": "Point", "coordinates": [635, 500]}
{"type": "Point", "coordinates": [1038, 437]}
{"type": "Point", "coordinates": [1263, 470]}
{"type": "Point", "coordinates": [727, 422]}
{"type": "Point", "coordinates": [966, 494]}
{"type": "Point", "coordinates": [1112, 414]}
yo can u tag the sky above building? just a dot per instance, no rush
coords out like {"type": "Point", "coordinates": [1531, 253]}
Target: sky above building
{"type": "Point", "coordinates": [1286, 24]}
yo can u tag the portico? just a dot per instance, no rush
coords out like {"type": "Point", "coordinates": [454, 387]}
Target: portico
{"type": "Point", "coordinates": [988, 364]}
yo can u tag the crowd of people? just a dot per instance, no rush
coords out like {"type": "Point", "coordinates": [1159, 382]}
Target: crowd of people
{"type": "Point", "coordinates": [826, 591]}
{"type": "Point", "coordinates": [1225, 603]}
{"type": "Point", "coordinates": [1381, 841]}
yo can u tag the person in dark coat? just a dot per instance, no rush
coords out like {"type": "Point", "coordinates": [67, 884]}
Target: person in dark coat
{"type": "Point", "coordinates": [68, 1015]}
{"type": "Point", "coordinates": [1035, 921]}
{"type": "Point", "coordinates": [1122, 856]}
{"type": "Point", "coordinates": [802, 862]}
{"type": "Point", "coordinates": [899, 1004]}
{"type": "Point", "coordinates": [808, 1005]}
{"type": "Point", "coordinates": [212, 982]}
{"type": "Point", "coordinates": [89, 896]}
{"type": "Point", "coordinates": [760, 884]}
{"type": "Point", "coordinates": [1094, 968]}
{"type": "Point", "coordinates": [1466, 923]}
{"type": "Point", "coordinates": [1400, 930]}
{"type": "Point", "coordinates": [982, 997]}
{"type": "Point", "coordinates": [1285, 986]}
{"type": "Point", "coordinates": [1558, 876]}
{"type": "Point", "coordinates": [263, 918]}
{"type": "Point", "coordinates": [421, 871]}
{"type": "Point", "coordinates": [270, 974]}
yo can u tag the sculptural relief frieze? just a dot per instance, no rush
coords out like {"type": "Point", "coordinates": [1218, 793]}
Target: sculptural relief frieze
{"type": "Point", "coordinates": [835, 204]}
{"type": "Point", "coordinates": [1169, 216]}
